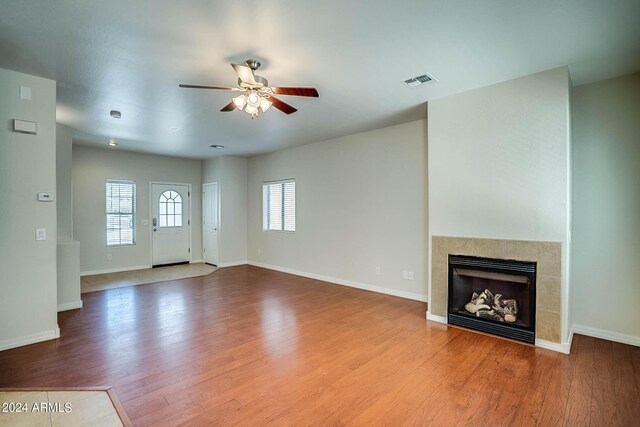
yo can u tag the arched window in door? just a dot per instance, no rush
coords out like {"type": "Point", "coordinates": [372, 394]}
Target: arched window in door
{"type": "Point", "coordinates": [170, 209]}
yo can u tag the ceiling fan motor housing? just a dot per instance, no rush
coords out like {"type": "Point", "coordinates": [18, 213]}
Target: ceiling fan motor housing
{"type": "Point", "coordinates": [254, 64]}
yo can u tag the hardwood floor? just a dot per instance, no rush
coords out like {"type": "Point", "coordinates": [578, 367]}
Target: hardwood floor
{"type": "Point", "coordinates": [251, 346]}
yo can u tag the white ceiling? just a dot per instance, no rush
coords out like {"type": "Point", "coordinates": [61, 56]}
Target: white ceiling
{"type": "Point", "coordinates": [131, 55]}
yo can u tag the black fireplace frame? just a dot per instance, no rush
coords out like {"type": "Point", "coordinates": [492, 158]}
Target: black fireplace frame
{"type": "Point", "coordinates": [469, 321]}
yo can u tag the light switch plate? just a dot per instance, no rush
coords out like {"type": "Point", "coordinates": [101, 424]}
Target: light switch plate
{"type": "Point", "coordinates": [25, 93]}
{"type": "Point", "coordinates": [41, 234]}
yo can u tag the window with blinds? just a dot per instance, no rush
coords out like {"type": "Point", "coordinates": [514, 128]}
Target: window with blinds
{"type": "Point", "coordinates": [121, 211]}
{"type": "Point", "coordinates": [279, 205]}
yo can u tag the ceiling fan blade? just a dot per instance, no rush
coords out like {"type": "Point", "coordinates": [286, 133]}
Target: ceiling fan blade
{"type": "Point", "coordinates": [282, 106]}
{"type": "Point", "coordinates": [296, 91]}
{"type": "Point", "coordinates": [229, 107]}
{"type": "Point", "coordinates": [207, 87]}
{"type": "Point", "coordinates": [244, 73]}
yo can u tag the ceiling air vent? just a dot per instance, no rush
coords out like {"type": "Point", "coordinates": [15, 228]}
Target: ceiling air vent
{"type": "Point", "coordinates": [420, 80]}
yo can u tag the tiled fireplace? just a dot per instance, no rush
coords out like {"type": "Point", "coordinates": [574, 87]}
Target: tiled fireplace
{"type": "Point", "coordinates": [545, 259]}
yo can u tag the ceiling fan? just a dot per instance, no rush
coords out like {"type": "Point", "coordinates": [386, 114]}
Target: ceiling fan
{"type": "Point", "coordinates": [256, 95]}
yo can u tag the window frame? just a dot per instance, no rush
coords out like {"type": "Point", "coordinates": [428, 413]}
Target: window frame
{"type": "Point", "coordinates": [265, 207]}
{"type": "Point", "coordinates": [175, 215]}
{"type": "Point", "coordinates": [132, 214]}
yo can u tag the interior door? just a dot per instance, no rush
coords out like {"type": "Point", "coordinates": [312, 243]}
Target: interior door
{"type": "Point", "coordinates": [170, 223]}
{"type": "Point", "coordinates": [210, 215]}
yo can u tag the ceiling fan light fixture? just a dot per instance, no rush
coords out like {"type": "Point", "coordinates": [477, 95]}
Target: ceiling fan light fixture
{"type": "Point", "coordinates": [240, 101]}
{"type": "Point", "coordinates": [254, 98]}
{"type": "Point", "coordinates": [264, 104]}
{"type": "Point", "coordinates": [250, 109]}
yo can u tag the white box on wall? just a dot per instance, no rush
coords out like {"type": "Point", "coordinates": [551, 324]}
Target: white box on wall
{"type": "Point", "coordinates": [24, 126]}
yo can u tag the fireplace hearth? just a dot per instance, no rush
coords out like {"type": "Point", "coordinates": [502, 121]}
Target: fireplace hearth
{"type": "Point", "coordinates": [495, 296]}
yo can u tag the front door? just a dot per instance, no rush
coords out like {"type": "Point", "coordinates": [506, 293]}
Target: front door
{"type": "Point", "coordinates": [210, 222]}
{"type": "Point", "coordinates": [170, 223]}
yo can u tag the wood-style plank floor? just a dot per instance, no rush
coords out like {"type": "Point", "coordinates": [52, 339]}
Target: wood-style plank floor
{"type": "Point", "coordinates": [251, 346]}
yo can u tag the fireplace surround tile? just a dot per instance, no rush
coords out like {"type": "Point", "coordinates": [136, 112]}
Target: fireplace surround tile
{"type": "Point", "coordinates": [440, 276]}
{"type": "Point", "coordinates": [522, 250]}
{"type": "Point", "coordinates": [549, 259]}
{"type": "Point", "coordinates": [439, 303]}
{"type": "Point", "coordinates": [547, 255]}
{"type": "Point", "coordinates": [548, 293]}
{"type": "Point", "coordinates": [548, 326]}
{"type": "Point", "coordinates": [489, 248]}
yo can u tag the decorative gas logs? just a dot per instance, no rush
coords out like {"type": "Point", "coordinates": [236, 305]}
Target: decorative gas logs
{"type": "Point", "coordinates": [490, 306]}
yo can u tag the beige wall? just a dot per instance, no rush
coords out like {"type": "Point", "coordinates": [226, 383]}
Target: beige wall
{"type": "Point", "coordinates": [606, 237]}
{"type": "Point", "coordinates": [64, 201]}
{"type": "Point", "coordinates": [91, 168]}
{"type": "Point", "coordinates": [359, 205]}
{"type": "Point", "coordinates": [231, 175]}
{"type": "Point", "coordinates": [499, 164]}
{"type": "Point", "coordinates": [27, 166]}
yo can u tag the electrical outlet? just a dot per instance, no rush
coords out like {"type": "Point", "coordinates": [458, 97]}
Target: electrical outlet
{"type": "Point", "coordinates": [407, 275]}
{"type": "Point", "coordinates": [109, 257]}
{"type": "Point", "coordinates": [378, 271]}
{"type": "Point", "coordinates": [259, 251]}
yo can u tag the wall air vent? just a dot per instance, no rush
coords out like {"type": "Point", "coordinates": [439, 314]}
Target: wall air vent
{"type": "Point", "coordinates": [418, 81]}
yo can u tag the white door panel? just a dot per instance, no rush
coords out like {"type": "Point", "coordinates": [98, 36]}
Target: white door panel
{"type": "Point", "coordinates": [170, 223]}
{"type": "Point", "coordinates": [210, 223]}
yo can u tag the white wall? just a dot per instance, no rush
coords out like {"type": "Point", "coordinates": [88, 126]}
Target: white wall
{"type": "Point", "coordinates": [606, 237]}
{"type": "Point", "coordinates": [231, 175]}
{"type": "Point", "coordinates": [499, 163]}
{"type": "Point", "coordinates": [359, 204]}
{"type": "Point", "coordinates": [64, 201]}
{"type": "Point", "coordinates": [27, 166]}
{"type": "Point", "coordinates": [91, 168]}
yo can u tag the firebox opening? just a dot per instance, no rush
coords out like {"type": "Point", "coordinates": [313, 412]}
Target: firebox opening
{"type": "Point", "coordinates": [492, 295]}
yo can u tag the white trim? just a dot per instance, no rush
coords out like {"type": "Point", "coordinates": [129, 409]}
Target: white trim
{"type": "Point", "coordinates": [217, 213]}
{"type": "Point", "coordinates": [436, 318]}
{"type": "Point", "coordinates": [30, 339]}
{"type": "Point", "coordinates": [196, 261]}
{"type": "Point", "coordinates": [570, 340]}
{"type": "Point", "coordinates": [564, 347]}
{"type": "Point", "coordinates": [69, 306]}
{"type": "Point", "coordinates": [232, 263]}
{"type": "Point", "coordinates": [358, 285]}
{"type": "Point", "coordinates": [114, 270]}
{"type": "Point", "coordinates": [606, 335]}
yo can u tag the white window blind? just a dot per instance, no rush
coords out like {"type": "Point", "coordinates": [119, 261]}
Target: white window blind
{"type": "Point", "coordinates": [279, 205]}
{"type": "Point", "coordinates": [120, 211]}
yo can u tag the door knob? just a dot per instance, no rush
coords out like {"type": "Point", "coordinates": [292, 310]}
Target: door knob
{"type": "Point", "coordinates": [154, 229]}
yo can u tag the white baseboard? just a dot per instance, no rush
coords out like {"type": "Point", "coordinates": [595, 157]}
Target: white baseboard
{"type": "Point", "coordinates": [232, 263]}
{"type": "Point", "coordinates": [114, 270]}
{"type": "Point", "coordinates": [196, 261]}
{"type": "Point", "coordinates": [606, 335]}
{"type": "Point", "coordinates": [30, 339]}
{"type": "Point", "coordinates": [69, 305]}
{"type": "Point", "coordinates": [358, 285]}
{"type": "Point", "coordinates": [559, 347]}
{"type": "Point", "coordinates": [436, 318]}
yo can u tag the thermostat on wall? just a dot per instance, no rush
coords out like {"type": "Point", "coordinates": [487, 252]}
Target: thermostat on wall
{"type": "Point", "coordinates": [46, 197]}
{"type": "Point", "coordinates": [24, 126]}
